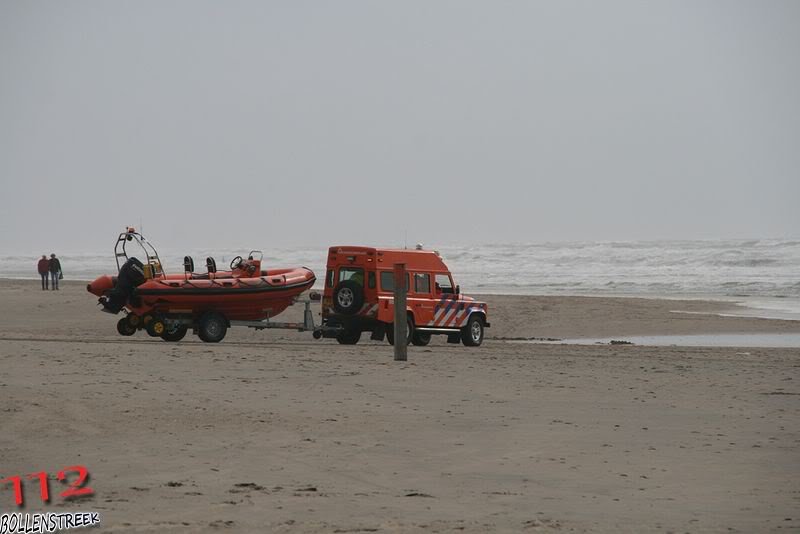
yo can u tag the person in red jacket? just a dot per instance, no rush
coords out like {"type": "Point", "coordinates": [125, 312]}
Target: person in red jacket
{"type": "Point", "coordinates": [44, 270]}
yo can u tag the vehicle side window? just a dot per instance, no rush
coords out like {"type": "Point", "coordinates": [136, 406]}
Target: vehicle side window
{"type": "Point", "coordinates": [329, 278]}
{"type": "Point", "coordinates": [371, 279]}
{"type": "Point", "coordinates": [387, 280]}
{"type": "Point", "coordinates": [422, 283]}
{"type": "Point", "coordinates": [351, 273]}
{"type": "Point", "coordinates": [443, 284]}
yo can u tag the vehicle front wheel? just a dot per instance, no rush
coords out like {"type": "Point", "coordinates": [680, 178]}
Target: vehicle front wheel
{"type": "Point", "coordinates": [409, 332]}
{"type": "Point", "coordinates": [472, 334]}
{"type": "Point", "coordinates": [349, 337]}
{"type": "Point", "coordinates": [212, 327]}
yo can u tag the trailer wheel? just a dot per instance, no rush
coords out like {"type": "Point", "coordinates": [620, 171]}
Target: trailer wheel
{"type": "Point", "coordinates": [212, 327]}
{"type": "Point", "coordinates": [348, 297]}
{"type": "Point", "coordinates": [421, 339]}
{"type": "Point", "coordinates": [472, 334]}
{"type": "Point", "coordinates": [409, 332]}
{"type": "Point", "coordinates": [349, 337]}
{"type": "Point", "coordinates": [156, 327]}
{"type": "Point", "coordinates": [175, 333]}
{"type": "Point", "coordinates": [125, 328]}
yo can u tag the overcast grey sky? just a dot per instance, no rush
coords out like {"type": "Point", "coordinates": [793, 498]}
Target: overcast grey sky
{"type": "Point", "coordinates": [263, 123]}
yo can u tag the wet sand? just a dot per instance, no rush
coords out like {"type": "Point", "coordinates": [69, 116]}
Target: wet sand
{"type": "Point", "coordinates": [273, 431]}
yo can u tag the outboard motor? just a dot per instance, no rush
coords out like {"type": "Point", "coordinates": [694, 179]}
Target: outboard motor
{"type": "Point", "coordinates": [131, 275]}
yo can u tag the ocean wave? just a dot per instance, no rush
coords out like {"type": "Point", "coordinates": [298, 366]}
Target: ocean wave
{"type": "Point", "coordinates": [766, 267]}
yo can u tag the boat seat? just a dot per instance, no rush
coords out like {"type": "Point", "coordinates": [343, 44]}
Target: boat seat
{"type": "Point", "coordinates": [188, 266]}
{"type": "Point", "coordinates": [211, 267]}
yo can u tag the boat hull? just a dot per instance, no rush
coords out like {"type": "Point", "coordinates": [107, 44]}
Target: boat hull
{"type": "Point", "coordinates": [237, 298]}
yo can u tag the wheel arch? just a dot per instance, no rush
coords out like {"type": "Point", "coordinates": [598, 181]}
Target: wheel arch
{"type": "Point", "coordinates": [479, 313]}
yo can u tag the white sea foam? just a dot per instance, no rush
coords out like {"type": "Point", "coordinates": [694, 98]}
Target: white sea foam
{"type": "Point", "coordinates": [764, 271]}
{"type": "Point", "coordinates": [695, 340]}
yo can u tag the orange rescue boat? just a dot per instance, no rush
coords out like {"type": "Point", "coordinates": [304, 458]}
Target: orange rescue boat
{"type": "Point", "coordinates": [166, 305]}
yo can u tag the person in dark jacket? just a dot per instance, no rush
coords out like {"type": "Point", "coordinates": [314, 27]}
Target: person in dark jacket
{"type": "Point", "coordinates": [55, 272]}
{"type": "Point", "coordinates": [44, 270]}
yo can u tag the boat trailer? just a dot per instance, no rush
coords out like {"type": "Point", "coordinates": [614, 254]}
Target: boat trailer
{"type": "Point", "coordinates": [306, 326]}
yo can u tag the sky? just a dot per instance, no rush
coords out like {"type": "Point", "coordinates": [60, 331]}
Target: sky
{"type": "Point", "coordinates": [259, 124]}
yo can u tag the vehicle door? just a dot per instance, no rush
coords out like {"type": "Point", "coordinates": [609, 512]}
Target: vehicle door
{"type": "Point", "coordinates": [354, 274]}
{"type": "Point", "coordinates": [445, 300]}
{"type": "Point", "coordinates": [386, 312]}
{"type": "Point", "coordinates": [422, 301]}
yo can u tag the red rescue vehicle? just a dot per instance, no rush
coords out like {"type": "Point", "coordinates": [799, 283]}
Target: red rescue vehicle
{"type": "Point", "coordinates": [359, 297]}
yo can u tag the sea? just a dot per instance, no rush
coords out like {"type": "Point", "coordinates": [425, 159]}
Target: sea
{"type": "Point", "coordinates": [761, 274]}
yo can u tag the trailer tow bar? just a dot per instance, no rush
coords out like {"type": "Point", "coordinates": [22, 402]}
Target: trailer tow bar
{"type": "Point", "coordinates": [306, 326]}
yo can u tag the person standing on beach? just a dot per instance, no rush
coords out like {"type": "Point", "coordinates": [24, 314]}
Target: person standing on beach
{"type": "Point", "coordinates": [55, 271]}
{"type": "Point", "coordinates": [44, 270]}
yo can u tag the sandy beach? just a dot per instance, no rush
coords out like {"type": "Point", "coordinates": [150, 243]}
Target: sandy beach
{"type": "Point", "coordinates": [273, 431]}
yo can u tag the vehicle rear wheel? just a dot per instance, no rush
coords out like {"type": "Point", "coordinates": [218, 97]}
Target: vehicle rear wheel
{"type": "Point", "coordinates": [409, 332]}
{"type": "Point", "coordinates": [212, 327]}
{"type": "Point", "coordinates": [175, 332]}
{"type": "Point", "coordinates": [349, 337]}
{"type": "Point", "coordinates": [472, 334]}
{"type": "Point", "coordinates": [420, 339]}
{"type": "Point", "coordinates": [125, 328]}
